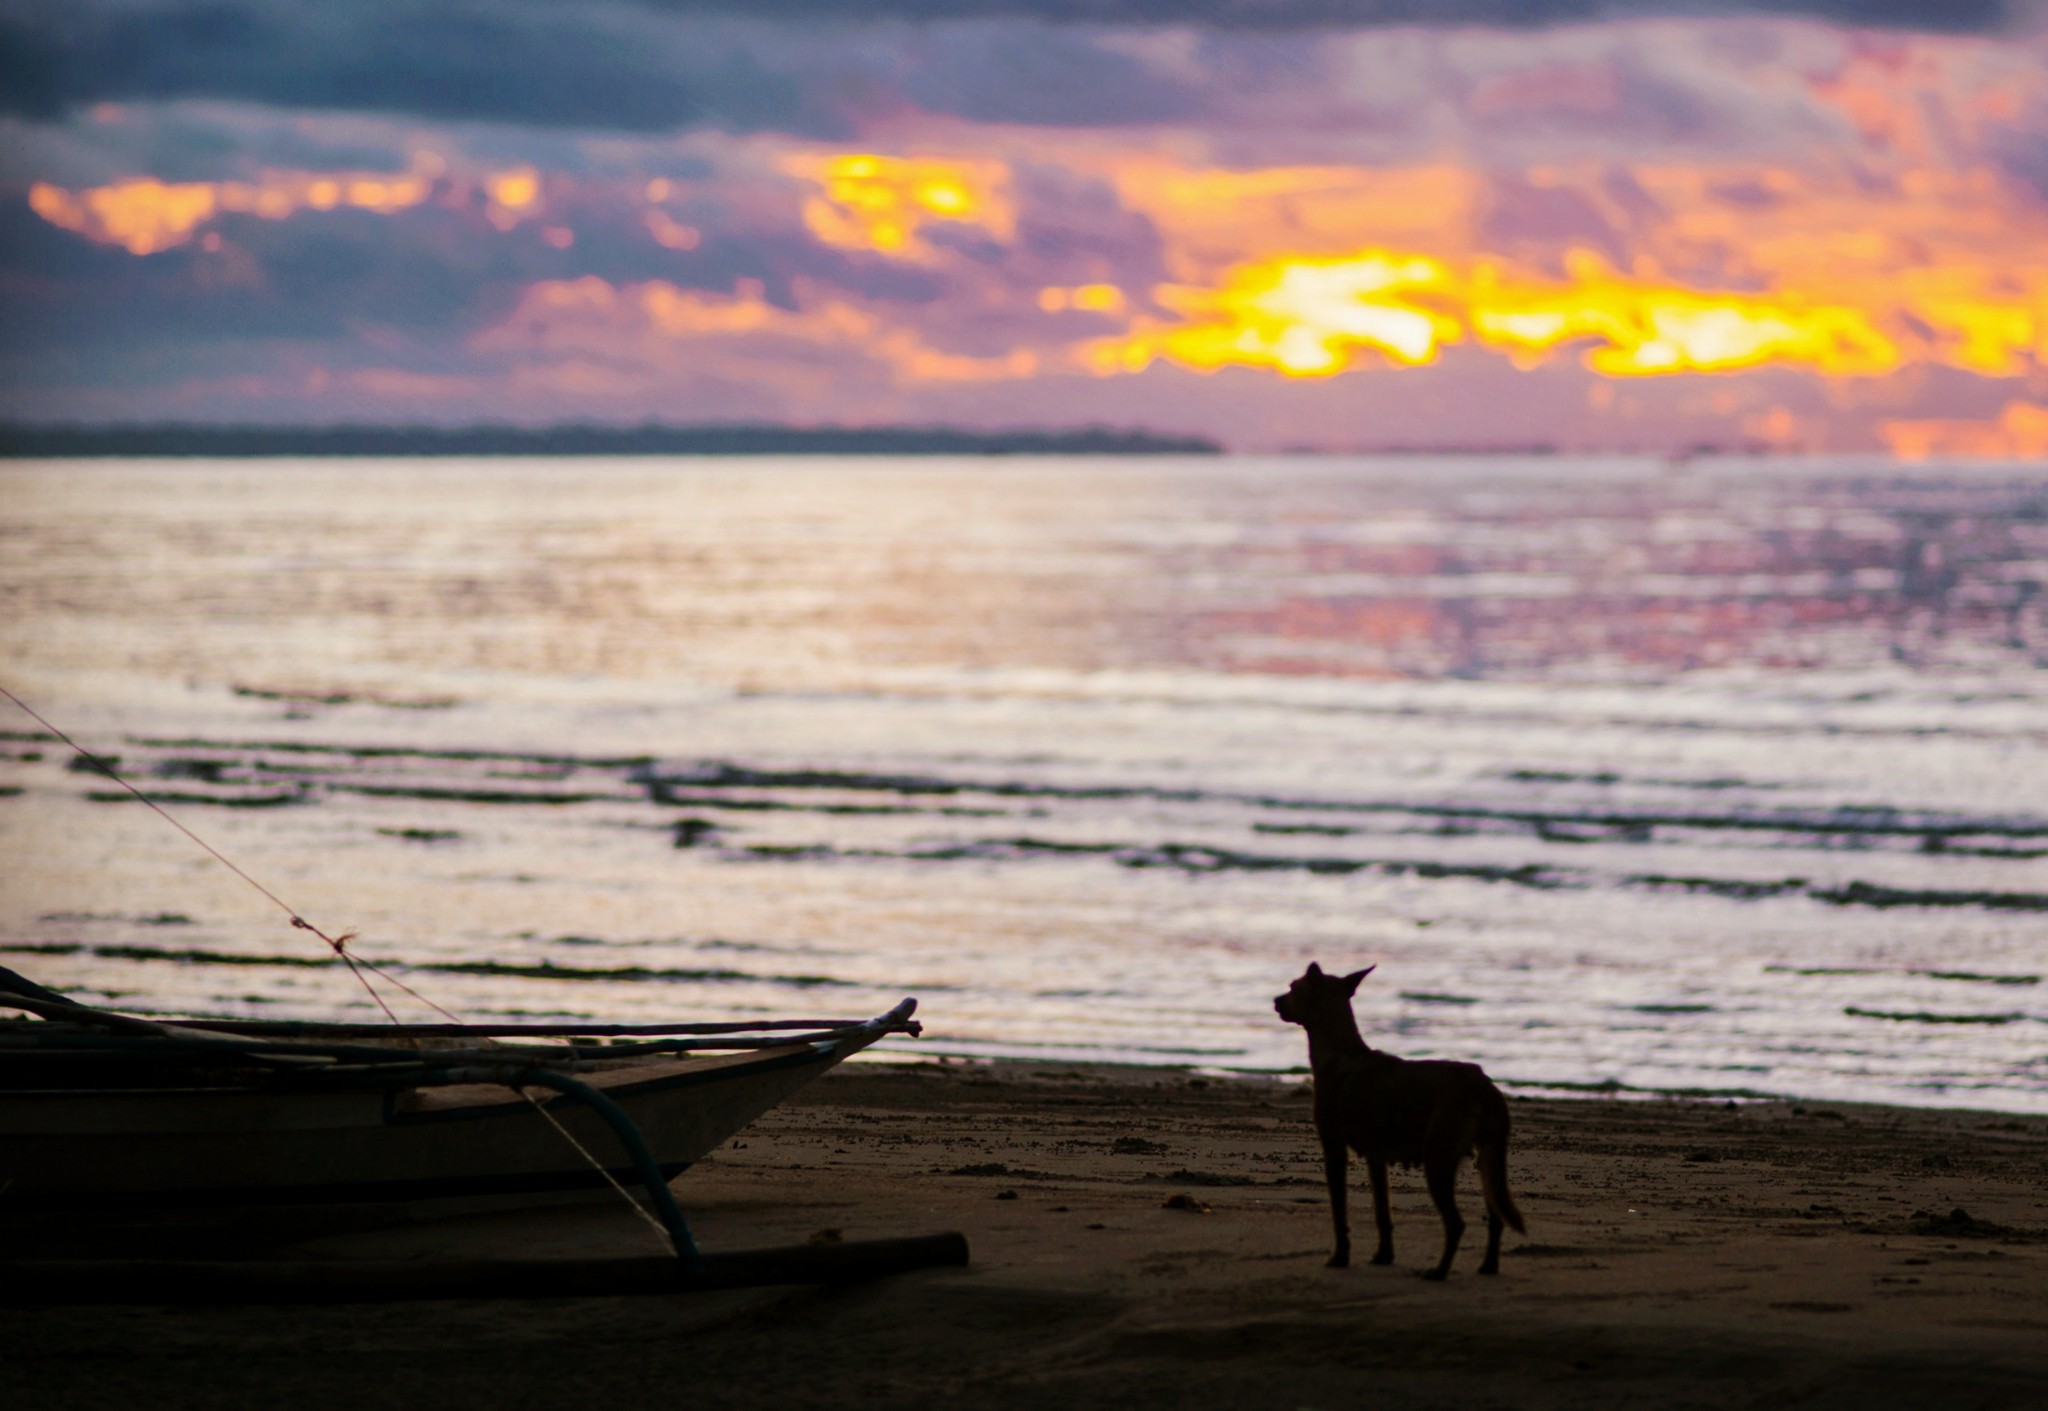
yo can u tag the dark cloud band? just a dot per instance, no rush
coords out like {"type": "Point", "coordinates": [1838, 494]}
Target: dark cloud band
{"type": "Point", "coordinates": [661, 65]}
{"type": "Point", "coordinates": [1946, 16]}
{"type": "Point", "coordinates": [598, 67]}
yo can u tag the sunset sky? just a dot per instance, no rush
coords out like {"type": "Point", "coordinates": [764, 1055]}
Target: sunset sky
{"type": "Point", "coordinates": [1815, 226]}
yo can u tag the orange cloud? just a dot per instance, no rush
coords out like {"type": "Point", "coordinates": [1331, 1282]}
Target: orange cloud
{"type": "Point", "coordinates": [1992, 321]}
{"type": "Point", "coordinates": [399, 384]}
{"type": "Point", "coordinates": [2020, 433]}
{"type": "Point", "coordinates": [143, 216]}
{"type": "Point", "coordinates": [879, 203]}
{"type": "Point", "coordinates": [1213, 218]}
{"type": "Point", "coordinates": [1642, 328]}
{"type": "Point", "coordinates": [591, 313]}
{"type": "Point", "coordinates": [147, 215]}
{"type": "Point", "coordinates": [1928, 98]}
{"type": "Point", "coordinates": [1310, 271]}
{"type": "Point", "coordinates": [1951, 265]}
{"type": "Point", "coordinates": [1087, 298]}
{"type": "Point", "coordinates": [649, 329]}
{"type": "Point", "coordinates": [513, 196]}
{"type": "Point", "coordinates": [670, 232]}
{"type": "Point", "coordinates": [515, 190]}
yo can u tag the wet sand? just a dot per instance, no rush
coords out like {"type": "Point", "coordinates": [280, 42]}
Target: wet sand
{"type": "Point", "coordinates": [1147, 1239]}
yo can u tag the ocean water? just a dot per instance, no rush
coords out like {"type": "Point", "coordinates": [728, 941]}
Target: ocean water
{"type": "Point", "coordinates": [1717, 778]}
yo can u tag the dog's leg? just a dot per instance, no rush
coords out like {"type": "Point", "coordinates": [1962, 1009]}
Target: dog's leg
{"type": "Point", "coordinates": [1485, 1161]}
{"type": "Point", "coordinates": [1382, 1211]}
{"type": "Point", "coordinates": [1335, 1164]}
{"type": "Point", "coordinates": [1441, 1169]}
{"type": "Point", "coordinates": [1491, 1161]}
{"type": "Point", "coordinates": [1494, 1224]}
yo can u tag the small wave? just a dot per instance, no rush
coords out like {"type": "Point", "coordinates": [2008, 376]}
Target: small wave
{"type": "Point", "coordinates": [1731, 887]}
{"type": "Point", "coordinates": [186, 798]}
{"type": "Point", "coordinates": [444, 794]}
{"type": "Point", "coordinates": [1607, 779]}
{"type": "Point", "coordinates": [251, 775]}
{"type": "Point", "coordinates": [1001, 1047]}
{"type": "Point", "coordinates": [1921, 1016]}
{"type": "Point", "coordinates": [1573, 830]}
{"type": "Point", "coordinates": [1559, 776]}
{"type": "Point", "coordinates": [1972, 977]}
{"type": "Point", "coordinates": [838, 810]}
{"type": "Point", "coordinates": [718, 774]}
{"type": "Point", "coordinates": [205, 771]}
{"type": "Point", "coordinates": [177, 957]}
{"type": "Point", "coordinates": [541, 970]}
{"type": "Point", "coordinates": [1847, 894]}
{"type": "Point", "coordinates": [1614, 1087]}
{"type": "Point", "coordinates": [548, 970]}
{"type": "Point", "coordinates": [1625, 824]}
{"type": "Point", "coordinates": [1424, 997]}
{"type": "Point", "coordinates": [342, 698]}
{"type": "Point", "coordinates": [1198, 859]}
{"type": "Point", "coordinates": [1945, 844]}
{"type": "Point", "coordinates": [1871, 894]}
{"type": "Point", "coordinates": [613, 943]}
{"type": "Point", "coordinates": [159, 918]}
{"type": "Point", "coordinates": [1184, 857]}
{"type": "Point", "coordinates": [310, 747]}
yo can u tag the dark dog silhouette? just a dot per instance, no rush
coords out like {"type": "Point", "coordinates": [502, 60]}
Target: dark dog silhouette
{"type": "Point", "coordinates": [1427, 1114]}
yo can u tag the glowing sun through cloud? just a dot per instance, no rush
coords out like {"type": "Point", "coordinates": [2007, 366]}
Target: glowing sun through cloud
{"type": "Point", "coordinates": [1641, 330]}
{"type": "Point", "coordinates": [1316, 317]}
{"type": "Point", "coordinates": [1300, 317]}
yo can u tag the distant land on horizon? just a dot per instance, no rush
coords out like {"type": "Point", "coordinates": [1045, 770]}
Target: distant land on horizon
{"type": "Point", "coordinates": [19, 441]}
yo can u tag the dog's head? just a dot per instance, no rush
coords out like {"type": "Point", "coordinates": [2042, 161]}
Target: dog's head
{"type": "Point", "coordinates": [1315, 993]}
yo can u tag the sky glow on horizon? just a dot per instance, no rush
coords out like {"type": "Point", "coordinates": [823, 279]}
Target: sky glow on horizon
{"type": "Point", "coordinates": [1728, 227]}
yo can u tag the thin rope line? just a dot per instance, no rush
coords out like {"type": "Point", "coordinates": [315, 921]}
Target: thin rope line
{"type": "Point", "coordinates": [391, 979]}
{"type": "Point", "coordinates": [661, 1231]}
{"type": "Point", "coordinates": [338, 946]}
{"type": "Point", "coordinates": [107, 770]}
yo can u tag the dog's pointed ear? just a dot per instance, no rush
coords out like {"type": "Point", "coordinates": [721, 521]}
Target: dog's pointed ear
{"type": "Point", "coordinates": [1351, 980]}
{"type": "Point", "coordinates": [1314, 969]}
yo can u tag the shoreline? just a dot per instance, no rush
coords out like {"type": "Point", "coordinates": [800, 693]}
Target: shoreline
{"type": "Point", "coordinates": [1109, 1070]}
{"type": "Point", "coordinates": [1148, 1238]}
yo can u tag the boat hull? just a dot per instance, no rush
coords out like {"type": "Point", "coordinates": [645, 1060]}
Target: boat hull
{"type": "Point", "coordinates": [195, 1148]}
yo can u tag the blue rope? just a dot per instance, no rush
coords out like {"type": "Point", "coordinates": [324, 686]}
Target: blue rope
{"type": "Point", "coordinates": [636, 1147]}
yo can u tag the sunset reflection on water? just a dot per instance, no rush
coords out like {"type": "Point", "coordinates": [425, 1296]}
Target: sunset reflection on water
{"type": "Point", "coordinates": [1714, 777]}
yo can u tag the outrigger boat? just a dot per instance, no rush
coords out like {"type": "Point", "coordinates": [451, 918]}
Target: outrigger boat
{"type": "Point", "coordinates": [111, 1120]}
{"type": "Point", "coordinates": [112, 1116]}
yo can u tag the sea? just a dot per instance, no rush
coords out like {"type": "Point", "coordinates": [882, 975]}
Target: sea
{"type": "Point", "coordinates": [1724, 778]}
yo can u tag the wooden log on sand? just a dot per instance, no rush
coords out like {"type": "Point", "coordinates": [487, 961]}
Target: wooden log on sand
{"type": "Point", "coordinates": [152, 1281]}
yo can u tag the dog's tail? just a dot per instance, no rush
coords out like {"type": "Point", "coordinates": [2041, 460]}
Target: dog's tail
{"type": "Point", "coordinates": [1492, 1161]}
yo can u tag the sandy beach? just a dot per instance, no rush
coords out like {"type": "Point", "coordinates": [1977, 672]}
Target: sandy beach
{"type": "Point", "coordinates": [1147, 1238]}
